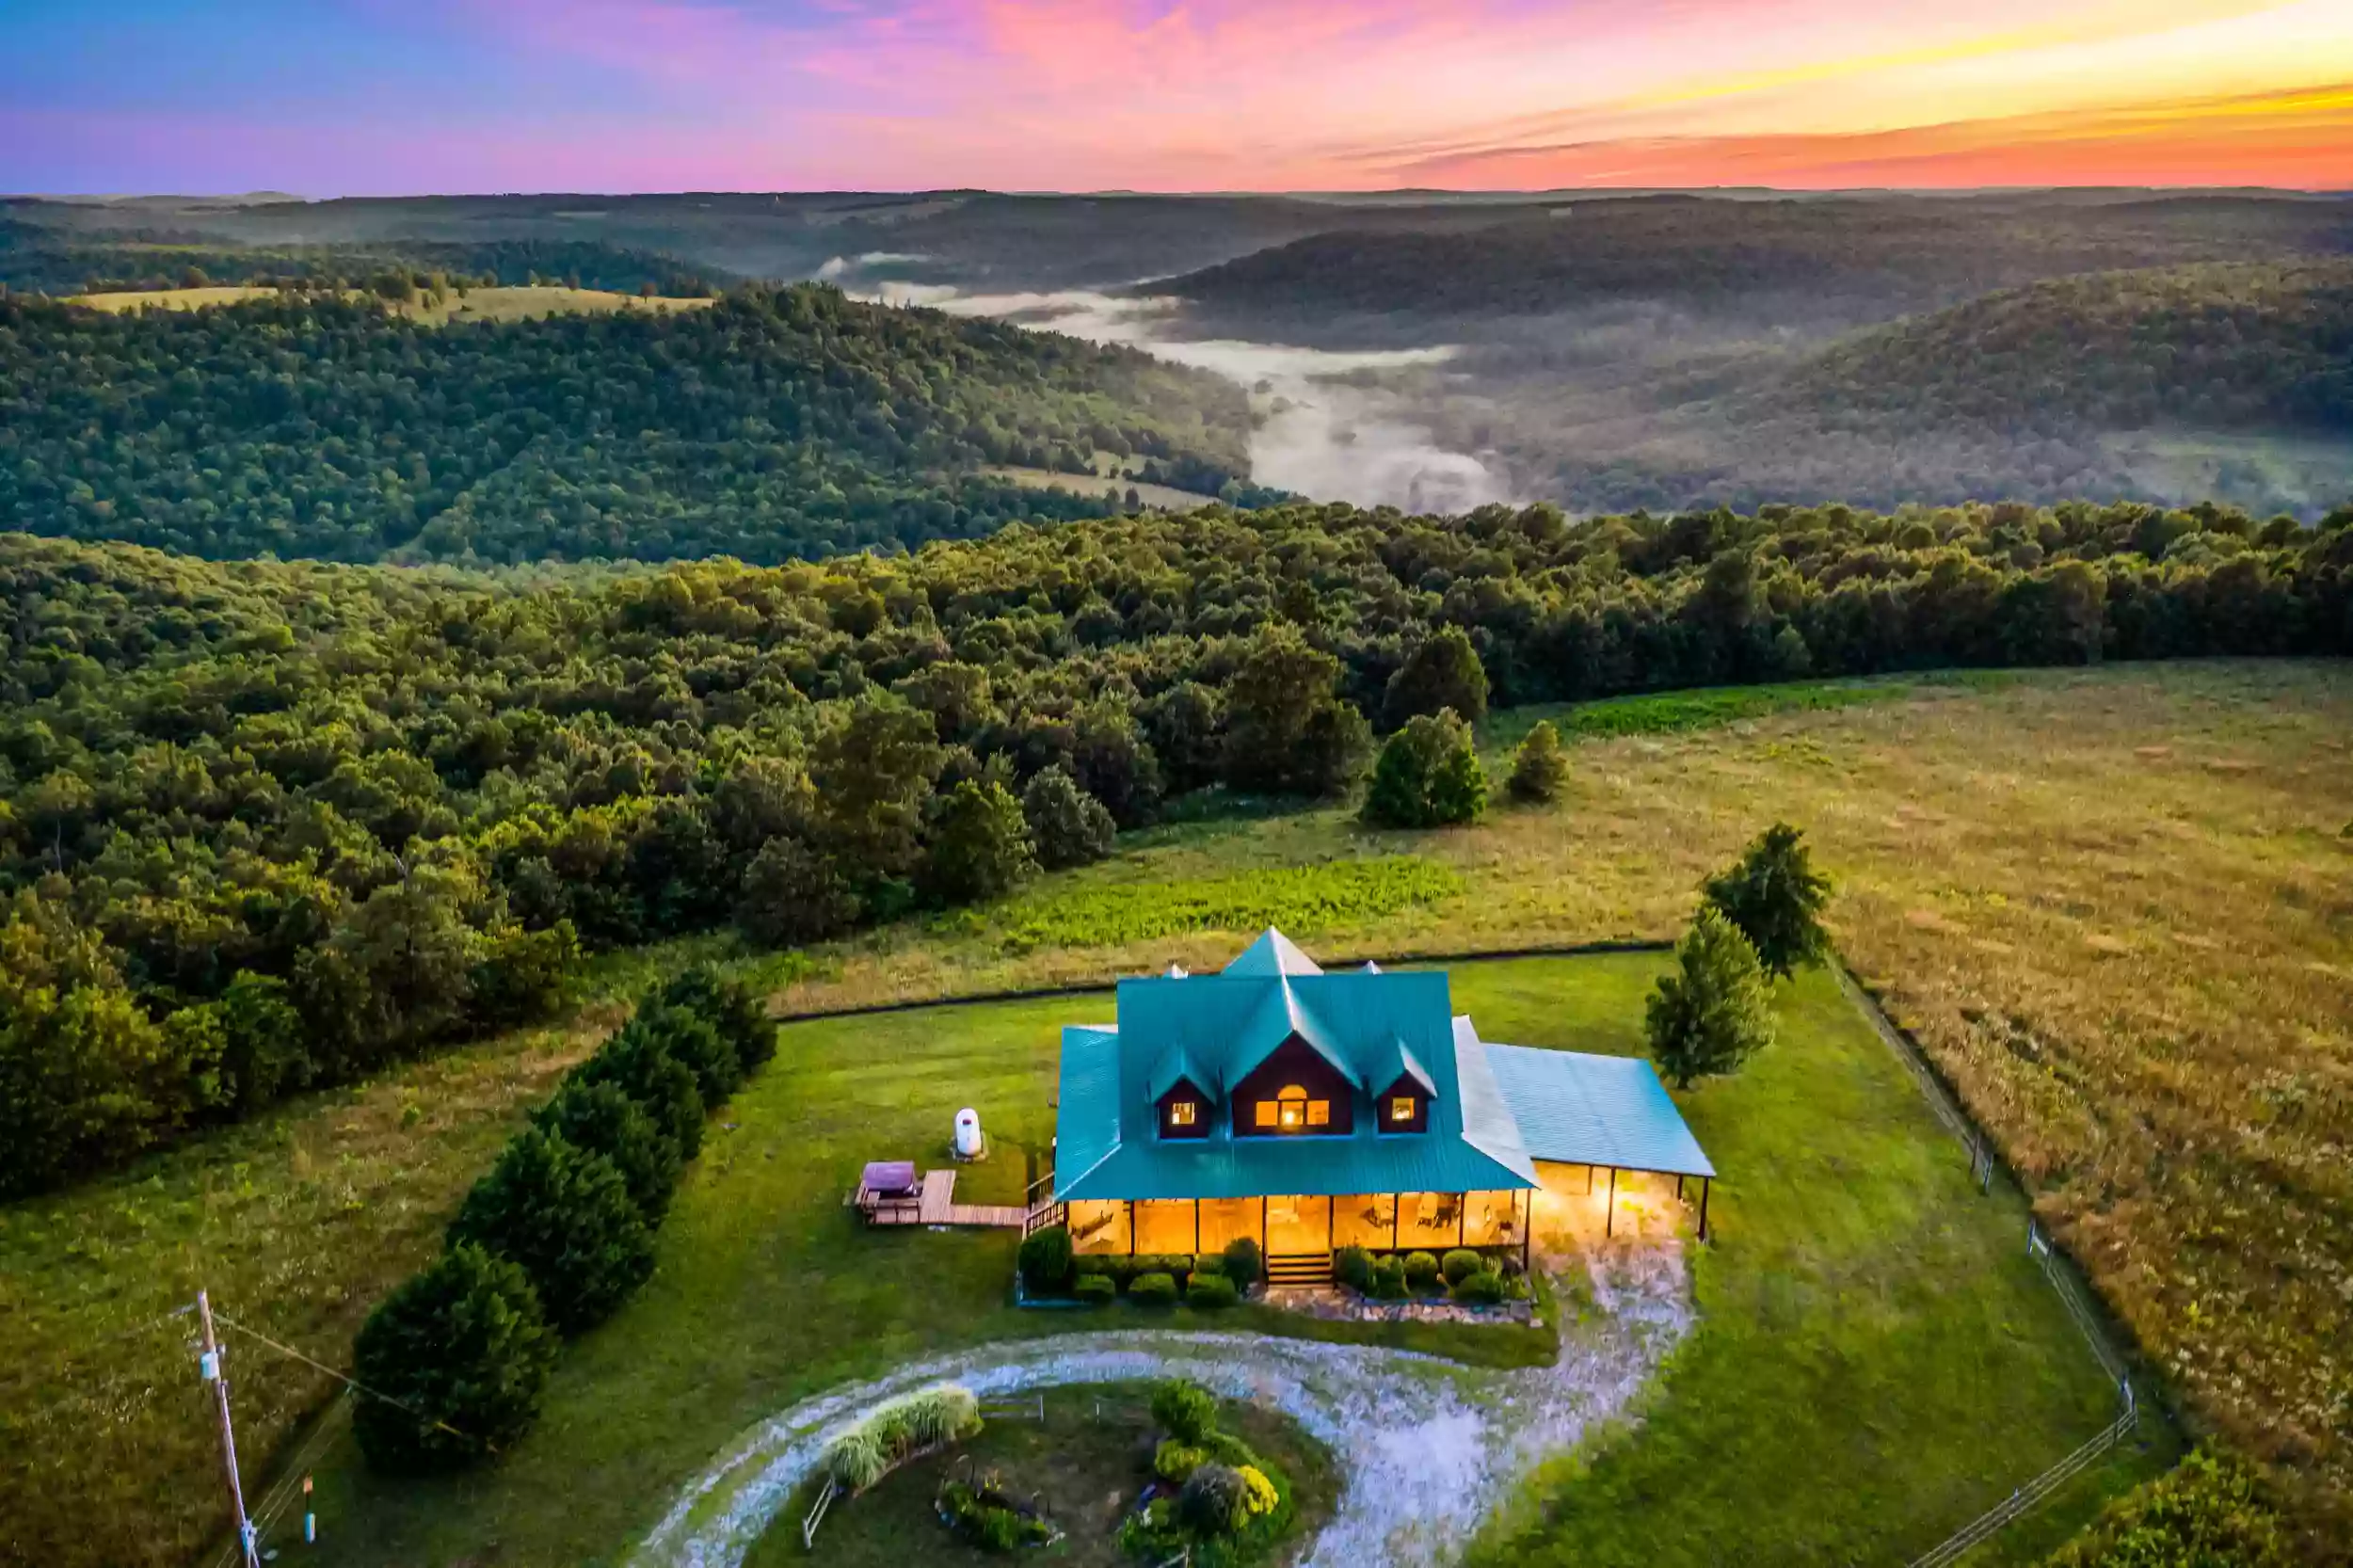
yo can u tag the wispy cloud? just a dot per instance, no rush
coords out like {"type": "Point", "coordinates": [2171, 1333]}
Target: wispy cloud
{"type": "Point", "coordinates": [619, 94]}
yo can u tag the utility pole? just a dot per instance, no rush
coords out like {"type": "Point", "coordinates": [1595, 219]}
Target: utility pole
{"type": "Point", "coordinates": [213, 1373]}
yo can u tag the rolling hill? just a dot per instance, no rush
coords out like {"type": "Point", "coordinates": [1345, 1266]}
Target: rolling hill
{"type": "Point", "coordinates": [2258, 346]}
{"type": "Point", "coordinates": [773, 424]}
{"type": "Point", "coordinates": [1828, 258]}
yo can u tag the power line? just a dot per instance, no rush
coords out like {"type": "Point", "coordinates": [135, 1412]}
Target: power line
{"type": "Point", "coordinates": [226, 1321]}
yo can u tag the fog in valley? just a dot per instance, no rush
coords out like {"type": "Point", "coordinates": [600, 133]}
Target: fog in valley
{"type": "Point", "coordinates": [1330, 424]}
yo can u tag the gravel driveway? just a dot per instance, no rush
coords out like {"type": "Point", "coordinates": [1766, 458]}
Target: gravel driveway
{"type": "Point", "coordinates": [1427, 1447]}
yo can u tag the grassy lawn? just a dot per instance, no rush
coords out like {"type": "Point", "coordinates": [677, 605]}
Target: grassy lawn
{"type": "Point", "coordinates": [1084, 1465]}
{"type": "Point", "coordinates": [1876, 1361]}
{"type": "Point", "coordinates": [2111, 902]}
{"type": "Point", "coordinates": [769, 1291]}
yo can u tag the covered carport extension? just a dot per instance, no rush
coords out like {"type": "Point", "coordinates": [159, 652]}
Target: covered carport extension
{"type": "Point", "coordinates": [1603, 1112]}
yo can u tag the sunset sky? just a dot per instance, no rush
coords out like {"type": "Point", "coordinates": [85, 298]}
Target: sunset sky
{"type": "Point", "coordinates": [367, 97]}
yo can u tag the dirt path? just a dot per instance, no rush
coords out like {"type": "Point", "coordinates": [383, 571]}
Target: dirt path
{"type": "Point", "coordinates": [1426, 1448]}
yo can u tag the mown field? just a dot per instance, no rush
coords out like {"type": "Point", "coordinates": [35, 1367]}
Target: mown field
{"type": "Point", "coordinates": [2114, 903]}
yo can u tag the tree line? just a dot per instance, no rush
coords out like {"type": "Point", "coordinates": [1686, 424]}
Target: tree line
{"type": "Point", "coordinates": [38, 258]}
{"type": "Point", "coordinates": [270, 826]}
{"type": "Point", "coordinates": [773, 424]}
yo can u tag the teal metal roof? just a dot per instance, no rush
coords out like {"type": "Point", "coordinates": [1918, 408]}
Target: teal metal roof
{"type": "Point", "coordinates": [1176, 1065]}
{"type": "Point", "coordinates": [1226, 1023]}
{"type": "Point", "coordinates": [1392, 1061]}
{"type": "Point", "coordinates": [1585, 1110]}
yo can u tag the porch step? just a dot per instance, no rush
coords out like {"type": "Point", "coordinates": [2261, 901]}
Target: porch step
{"type": "Point", "coordinates": [1299, 1269]}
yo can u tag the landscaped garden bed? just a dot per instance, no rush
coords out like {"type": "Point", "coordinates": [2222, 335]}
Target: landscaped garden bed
{"type": "Point", "coordinates": [1078, 1483]}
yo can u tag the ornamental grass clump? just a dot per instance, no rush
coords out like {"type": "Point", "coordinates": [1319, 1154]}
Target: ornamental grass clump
{"type": "Point", "coordinates": [892, 1434]}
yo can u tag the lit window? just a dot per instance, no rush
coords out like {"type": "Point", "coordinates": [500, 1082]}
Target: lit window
{"type": "Point", "coordinates": [1401, 1108]}
{"type": "Point", "coordinates": [1266, 1114]}
{"type": "Point", "coordinates": [1290, 1107]}
{"type": "Point", "coordinates": [1318, 1113]}
{"type": "Point", "coordinates": [1180, 1112]}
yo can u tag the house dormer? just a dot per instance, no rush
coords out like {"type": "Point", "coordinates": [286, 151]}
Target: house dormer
{"type": "Point", "coordinates": [1184, 1099]}
{"type": "Point", "coordinates": [1403, 1089]}
{"type": "Point", "coordinates": [1296, 1091]}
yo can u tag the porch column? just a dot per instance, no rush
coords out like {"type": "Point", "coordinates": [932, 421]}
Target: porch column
{"type": "Point", "coordinates": [1528, 1231]}
{"type": "Point", "coordinates": [1706, 1182]}
{"type": "Point", "coordinates": [1263, 1227]}
{"type": "Point", "coordinates": [1609, 1221]}
{"type": "Point", "coordinates": [1462, 1218]}
{"type": "Point", "coordinates": [1197, 1227]}
{"type": "Point", "coordinates": [1131, 1227]}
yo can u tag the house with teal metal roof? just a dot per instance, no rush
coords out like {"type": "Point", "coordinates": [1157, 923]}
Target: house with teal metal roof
{"type": "Point", "coordinates": [1312, 1111]}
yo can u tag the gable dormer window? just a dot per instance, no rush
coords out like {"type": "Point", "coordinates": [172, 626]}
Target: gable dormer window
{"type": "Point", "coordinates": [1403, 1109]}
{"type": "Point", "coordinates": [1182, 1113]}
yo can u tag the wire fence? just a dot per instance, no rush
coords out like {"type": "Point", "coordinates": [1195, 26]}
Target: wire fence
{"type": "Point", "coordinates": [2045, 1250]}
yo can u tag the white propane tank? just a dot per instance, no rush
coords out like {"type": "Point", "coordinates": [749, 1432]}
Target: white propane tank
{"type": "Point", "coordinates": [967, 1134]}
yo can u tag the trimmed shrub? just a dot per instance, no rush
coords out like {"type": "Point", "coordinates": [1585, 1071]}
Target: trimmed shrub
{"type": "Point", "coordinates": [1484, 1288]}
{"type": "Point", "coordinates": [1421, 1269]}
{"type": "Point", "coordinates": [638, 1064]}
{"type": "Point", "coordinates": [1208, 1263]}
{"type": "Point", "coordinates": [1093, 1264]}
{"type": "Point", "coordinates": [1173, 1460]}
{"type": "Point", "coordinates": [1353, 1267]}
{"type": "Point", "coordinates": [463, 1345]}
{"type": "Point", "coordinates": [1211, 1291]}
{"type": "Point", "coordinates": [601, 1118]}
{"type": "Point", "coordinates": [1185, 1411]}
{"type": "Point", "coordinates": [1095, 1289]}
{"type": "Point", "coordinates": [1214, 1500]}
{"type": "Point", "coordinates": [1045, 1260]}
{"type": "Point", "coordinates": [1259, 1497]}
{"type": "Point", "coordinates": [1459, 1264]}
{"type": "Point", "coordinates": [563, 1213]}
{"type": "Point", "coordinates": [1157, 1289]}
{"type": "Point", "coordinates": [1388, 1278]}
{"type": "Point", "coordinates": [1245, 1264]}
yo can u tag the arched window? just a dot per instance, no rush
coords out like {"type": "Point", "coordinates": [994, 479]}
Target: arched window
{"type": "Point", "coordinates": [1291, 1111]}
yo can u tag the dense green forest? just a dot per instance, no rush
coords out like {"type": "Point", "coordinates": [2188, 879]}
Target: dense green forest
{"type": "Point", "coordinates": [269, 825]}
{"type": "Point", "coordinates": [2260, 347]}
{"type": "Point", "coordinates": [1861, 256]}
{"type": "Point", "coordinates": [36, 259]}
{"type": "Point", "coordinates": [777, 424]}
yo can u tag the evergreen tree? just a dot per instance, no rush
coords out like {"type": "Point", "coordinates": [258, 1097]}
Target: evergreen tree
{"type": "Point", "coordinates": [1711, 1015]}
{"type": "Point", "coordinates": [1540, 768]}
{"type": "Point", "coordinates": [979, 848]}
{"type": "Point", "coordinates": [1775, 896]}
{"type": "Point", "coordinates": [463, 1348]}
{"type": "Point", "coordinates": [636, 1061]}
{"type": "Point", "coordinates": [731, 1007]}
{"type": "Point", "coordinates": [598, 1118]}
{"type": "Point", "coordinates": [1428, 775]}
{"type": "Point", "coordinates": [1444, 672]}
{"type": "Point", "coordinates": [564, 1214]}
{"type": "Point", "coordinates": [1069, 826]}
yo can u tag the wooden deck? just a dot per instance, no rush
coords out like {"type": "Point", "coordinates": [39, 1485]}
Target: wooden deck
{"type": "Point", "coordinates": [937, 1205]}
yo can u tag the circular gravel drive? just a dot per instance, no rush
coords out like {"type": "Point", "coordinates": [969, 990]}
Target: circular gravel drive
{"type": "Point", "coordinates": [1427, 1447]}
